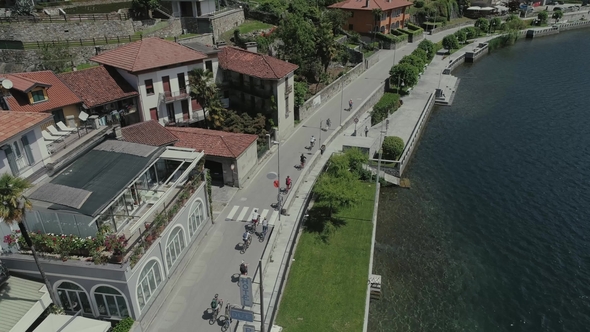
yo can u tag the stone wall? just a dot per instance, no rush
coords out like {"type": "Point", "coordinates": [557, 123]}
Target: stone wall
{"type": "Point", "coordinates": [12, 61]}
{"type": "Point", "coordinates": [91, 3]}
{"type": "Point", "coordinates": [205, 39]}
{"type": "Point", "coordinates": [174, 27]}
{"type": "Point", "coordinates": [370, 61]}
{"type": "Point", "coordinates": [315, 102]}
{"type": "Point", "coordinates": [31, 32]}
{"type": "Point", "coordinates": [574, 25]}
{"type": "Point", "coordinates": [226, 21]}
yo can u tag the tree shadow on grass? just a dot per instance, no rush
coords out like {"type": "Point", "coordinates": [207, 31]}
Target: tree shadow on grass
{"type": "Point", "coordinates": [320, 223]}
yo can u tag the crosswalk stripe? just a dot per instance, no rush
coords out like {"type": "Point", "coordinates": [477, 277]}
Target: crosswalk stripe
{"type": "Point", "coordinates": [232, 212]}
{"type": "Point", "coordinates": [243, 214]}
{"type": "Point", "coordinates": [273, 217]}
{"type": "Point", "coordinates": [263, 214]}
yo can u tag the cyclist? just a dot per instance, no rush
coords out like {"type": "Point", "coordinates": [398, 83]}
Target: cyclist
{"type": "Point", "coordinates": [288, 182]}
{"type": "Point", "coordinates": [264, 226]}
{"type": "Point", "coordinates": [246, 237]}
{"type": "Point", "coordinates": [215, 303]}
{"type": "Point", "coordinates": [255, 217]}
{"type": "Point", "coordinates": [244, 268]}
{"type": "Point", "coordinates": [302, 159]}
{"type": "Point", "coordinates": [311, 141]}
{"type": "Point", "coordinates": [328, 123]}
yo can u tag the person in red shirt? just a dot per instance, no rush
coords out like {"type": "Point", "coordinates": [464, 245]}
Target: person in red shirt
{"type": "Point", "coordinates": [288, 182]}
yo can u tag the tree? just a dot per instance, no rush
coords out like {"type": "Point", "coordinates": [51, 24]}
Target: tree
{"type": "Point", "coordinates": [403, 73]}
{"type": "Point", "coordinates": [471, 32]}
{"type": "Point", "coordinates": [377, 13]}
{"type": "Point", "coordinates": [325, 44]}
{"type": "Point", "coordinates": [428, 47]}
{"type": "Point", "coordinates": [543, 17]}
{"type": "Point", "coordinates": [495, 23]}
{"type": "Point", "coordinates": [393, 147]}
{"type": "Point", "coordinates": [415, 61]}
{"type": "Point", "coordinates": [204, 90]}
{"type": "Point", "coordinates": [461, 36]}
{"type": "Point", "coordinates": [337, 19]}
{"type": "Point", "coordinates": [24, 7]}
{"type": "Point", "coordinates": [557, 15]}
{"type": "Point", "coordinates": [301, 90]}
{"type": "Point", "coordinates": [420, 53]}
{"type": "Point", "coordinates": [56, 57]}
{"type": "Point", "coordinates": [483, 24]}
{"type": "Point", "coordinates": [514, 23]}
{"type": "Point", "coordinates": [12, 210]}
{"type": "Point", "coordinates": [298, 42]}
{"type": "Point", "coordinates": [450, 42]}
{"type": "Point", "coordinates": [143, 7]}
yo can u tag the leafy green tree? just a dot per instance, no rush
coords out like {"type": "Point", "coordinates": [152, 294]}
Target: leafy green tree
{"type": "Point", "coordinates": [557, 15]}
{"type": "Point", "coordinates": [393, 147]}
{"type": "Point", "coordinates": [483, 24]}
{"type": "Point", "coordinates": [461, 36]}
{"type": "Point", "coordinates": [543, 17]}
{"type": "Point", "coordinates": [495, 23]}
{"type": "Point", "coordinates": [471, 32]}
{"type": "Point", "coordinates": [377, 13]}
{"type": "Point", "coordinates": [325, 44]}
{"type": "Point", "coordinates": [301, 90]}
{"type": "Point", "coordinates": [415, 61]}
{"type": "Point", "coordinates": [511, 17]}
{"type": "Point", "coordinates": [143, 7]}
{"type": "Point", "coordinates": [420, 53]}
{"type": "Point", "coordinates": [297, 36]}
{"type": "Point", "coordinates": [56, 57]}
{"type": "Point", "coordinates": [337, 19]}
{"type": "Point", "coordinates": [450, 42]}
{"type": "Point", "coordinates": [514, 23]}
{"type": "Point", "coordinates": [24, 7]}
{"type": "Point", "coordinates": [403, 73]}
{"type": "Point", "coordinates": [204, 90]}
{"type": "Point", "coordinates": [428, 47]}
{"type": "Point", "coordinates": [13, 210]}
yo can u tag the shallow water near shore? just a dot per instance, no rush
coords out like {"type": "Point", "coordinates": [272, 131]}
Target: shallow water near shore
{"type": "Point", "coordinates": [494, 233]}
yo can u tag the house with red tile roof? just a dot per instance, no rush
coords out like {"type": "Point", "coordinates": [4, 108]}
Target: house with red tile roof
{"type": "Point", "coordinates": [148, 133]}
{"type": "Point", "coordinates": [394, 14]}
{"type": "Point", "coordinates": [230, 157]}
{"type": "Point", "coordinates": [259, 82]}
{"type": "Point", "coordinates": [104, 93]}
{"type": "Point", "coordinates": [40, 92]}
{"type": "Point", "coordinates": [158, 70]}
{"type": "Point", "coordinates": [22, 148]}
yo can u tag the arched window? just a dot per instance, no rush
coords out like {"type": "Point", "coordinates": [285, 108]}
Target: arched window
{"type": "Point", "coordinates": [110, 302]}
{"type": "Point", "coordinates": [174, 246]}
{"type": "Point", "coordinates": [149, 280]}
{"type": "Point", "coordinates": [195, 219]}
{"type": "Point", "coordinates": [73, 298]}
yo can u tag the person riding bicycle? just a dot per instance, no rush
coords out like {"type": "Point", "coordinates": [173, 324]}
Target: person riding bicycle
{"type": "Point", "coordinates": [244, 268]}
{"type": "Point", "coordinates": [288, 182]}
{"type": "Point", "coordinates": [246, 236]}
{"type": "Point", "coordinates": [215, 303]}
{"type": "Point", "coordinates": [312, 141]}
{"type": "Point", "coordinates": [255, 217]}
{"type": "Point", "coordinates": [302, 159]}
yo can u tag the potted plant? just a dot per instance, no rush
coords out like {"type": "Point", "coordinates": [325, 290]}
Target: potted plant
{"type": "Point", "coordinates": [116, 245]}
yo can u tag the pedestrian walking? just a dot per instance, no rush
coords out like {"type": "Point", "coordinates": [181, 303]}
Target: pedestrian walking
{"type": "Point", "coordinates": [350, 105]}
{"type": "Point", "coordinates": [366, 131]}
{"type": "Point", "coordinates": [322, 149]}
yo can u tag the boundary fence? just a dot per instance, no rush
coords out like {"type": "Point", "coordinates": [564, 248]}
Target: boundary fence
{"type": "Point", "coordinates": [65, 18]}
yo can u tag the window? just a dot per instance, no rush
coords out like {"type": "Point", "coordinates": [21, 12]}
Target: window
{"type": "Point", "coordinates": [58, 115]}
{"type": "Point", "coordinates": [110, 302]}
{"type": "Point", "coordinates": [262, 84]}
{"type": "Point", "coordinates": [351, 14]}
{"type": "Point", "coordinates": [149, 87]}
{"type": "Point", "coordinates": [209, 65]}
{"type": "Point", "coordinates": [382, 29]}
{"type": "Point", "coordinates": [18, 155]}
{"type": "Point", "coordinates": [73, 298]}
{"type": "Point", "coordinates": [196, 217]}
{"type": "Point", "coordinates": [27, 147]}
{"type": "Point", "coordinates": [170, 110]}
{"type": "Point", "coordinates": [38, 95]}
{"type": "Point", "coordinates": [226, 94]}
{"type": "Point", "coordinates": [149, 280]}
{"type": "Point", "coordinates": [174, 246]}
{"type": "Point", "coordinates": [181, 81]}
{"type": "Point", "coordinates": [350, 27]}
{"type": "Point", "coordinates": [252, 101]}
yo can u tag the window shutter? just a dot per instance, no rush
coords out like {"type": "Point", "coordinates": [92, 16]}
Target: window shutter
{"type": "Point", "coordinates": [11, 160]}
{"type": "Point", "coordinates": [28, 150]}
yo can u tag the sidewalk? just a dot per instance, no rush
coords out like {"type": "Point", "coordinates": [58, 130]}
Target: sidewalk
{"type": "Point", "coordinates": [210, 270]}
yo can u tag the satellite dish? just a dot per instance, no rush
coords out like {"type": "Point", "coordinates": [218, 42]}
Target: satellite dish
{"type": "Point", "coordinates": [7, 84]}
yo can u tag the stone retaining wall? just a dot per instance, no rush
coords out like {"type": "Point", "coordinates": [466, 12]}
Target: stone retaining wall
{"type": "Point", "coordinates": [226, 21]}
{"type": "Point", "coordinates": [174, 27]}
{"type": "Point", "coordinates": [91, 3]}
{"type": "Point", "coordinates": [574, 25]}
{"type": "Point", "coordinates": [372, 60]}
{"type": "Point", "coordinates": [28, 32]}
{"type": "Point", "coordinates": [541, 32]}
{"type": "Point", "coordinates": [205, 39]}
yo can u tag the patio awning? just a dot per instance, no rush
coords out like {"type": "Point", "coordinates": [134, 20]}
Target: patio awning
{"type": "Point", "coordinates": [181, 154]}
{"type": "Point", "coordinates": [474, 8]}
{"type": "Point", "coordinates": [488, 8]}
{"type": "Point", "coordinates": [64, 323]}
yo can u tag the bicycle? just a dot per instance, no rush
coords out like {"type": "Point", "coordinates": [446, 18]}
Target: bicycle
{"type": "Point", "coordinates": [215, 312]}
{"type": "Point", "coordinates": [227, 319]}
{"type": "Point", "coordinates": [246, 245]}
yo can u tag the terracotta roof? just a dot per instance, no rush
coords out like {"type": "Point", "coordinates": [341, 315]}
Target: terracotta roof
{"type": "Point", "coordinates": [59, 94]}
{"type": "Point", "coordinates": [98, 86]}
{"type": "Point", "coordinates": [254, 64]}
{"type": "Point", "coordinates": [24, 84]}
{"type": "Point", "coordinates": [148, 53]}
{"type": "Point", "coordinates": [373, 4]}
{"type": "Point", "coordinates": [15, 123]}
{"type": "Point", "coordinates": [213, 142]}
{"type": "Point", "coordinates": [148, 133]}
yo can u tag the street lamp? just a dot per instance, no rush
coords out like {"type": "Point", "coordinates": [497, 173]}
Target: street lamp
{"type": "Point", "coordinates": [268, 135]}
{"type": "Point", "coordinates": [278, 144]}
{"type": "Point", "coordinates": [341, 100]}
{"type": "Point", "coordinates": [233, 174]}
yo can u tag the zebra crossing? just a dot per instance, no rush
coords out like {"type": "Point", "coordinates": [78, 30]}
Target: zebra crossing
{"type": "Point", "coordinates": [244, 213]}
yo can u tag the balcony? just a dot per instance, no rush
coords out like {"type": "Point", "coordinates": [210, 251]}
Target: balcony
{"type": "Point", "coordinates": [254, 90]}
{"type": "Point", "coordinates": [171, 96]}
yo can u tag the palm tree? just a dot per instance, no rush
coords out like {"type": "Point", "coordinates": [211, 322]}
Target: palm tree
{"type": "Point", "coordinates": [12, 210]}
{"type": "Point", "coordinates": [204, 90]}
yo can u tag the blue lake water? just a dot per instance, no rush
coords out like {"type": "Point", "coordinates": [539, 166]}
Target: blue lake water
{"type": "Point", "coordinates": [494, 233]}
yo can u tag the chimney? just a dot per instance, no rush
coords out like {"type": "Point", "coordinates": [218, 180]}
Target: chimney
{"type": "Point", "coordinates": [118, 133]}
{"type": "Point", "coordinates": [252, 47]}
{"type": "Point", "coordinates": [221, 44]}
{"type": "Point", "coordinates": [367, 4]}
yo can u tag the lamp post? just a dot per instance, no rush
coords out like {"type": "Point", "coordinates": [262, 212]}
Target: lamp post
{"type": "Point", "coordinates": [380, 153]}
{"type": "Point", "coordinates": [278, 144]}
{"type": "Point", "coordinates": [341, 99]}
{"type": "Point", "coordinates": [233, 174]}
{"type": "Point", "coordinates": [268, 135]}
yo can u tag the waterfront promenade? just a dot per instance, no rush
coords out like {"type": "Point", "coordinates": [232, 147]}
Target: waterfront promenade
{"type": "Point", "coordinates": [211, 265]}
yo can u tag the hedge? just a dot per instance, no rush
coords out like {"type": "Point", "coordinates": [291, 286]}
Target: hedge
{"type": "Point", "coordinates": [388, 104]}
{"type": "Point", "coordinates": [392, 37]}
{"type": "Point", "coordinates": [414, 29]}
{"type": "Point", "coordinates": [124, 325]}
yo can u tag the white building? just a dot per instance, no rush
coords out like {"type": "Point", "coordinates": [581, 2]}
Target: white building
{"type": "Point", "coordinates": [192, 8]}
{"type": "Point", "coordinates": [158, 69]}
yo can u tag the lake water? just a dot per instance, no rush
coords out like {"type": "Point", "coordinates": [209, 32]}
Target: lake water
{"type": "Point", "coordinates": [494, 233]}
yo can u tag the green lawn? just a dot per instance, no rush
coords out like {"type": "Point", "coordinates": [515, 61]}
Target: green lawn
{"type": "Point", "coordinates": [246, 27]}
{"type": "Point", "coordinates": [327, 284]}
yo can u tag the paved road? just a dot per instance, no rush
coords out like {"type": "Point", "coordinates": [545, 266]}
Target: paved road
{"type": "Point", "coordinates": [211, 269]}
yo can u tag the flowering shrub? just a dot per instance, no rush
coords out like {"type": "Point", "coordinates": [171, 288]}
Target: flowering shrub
{"type": "Point", "coordinates": [115, 244]}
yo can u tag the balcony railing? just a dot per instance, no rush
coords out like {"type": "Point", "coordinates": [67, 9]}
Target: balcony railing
{"type": "Point", "coordinates": [170, 96]}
